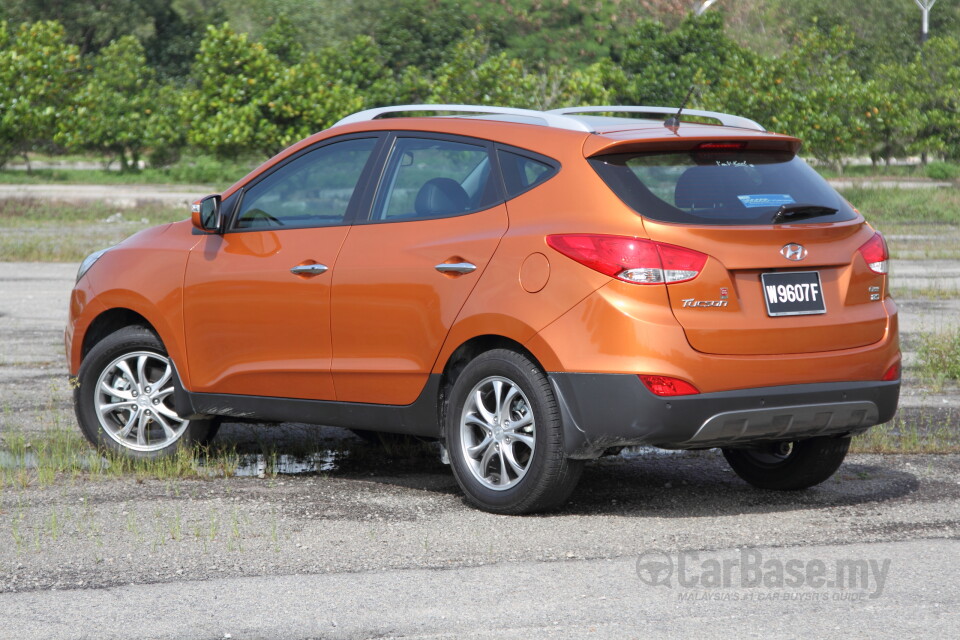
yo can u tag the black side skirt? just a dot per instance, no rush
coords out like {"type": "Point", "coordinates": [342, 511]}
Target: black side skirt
{"type": "Point", "coordinates": [421, 418]}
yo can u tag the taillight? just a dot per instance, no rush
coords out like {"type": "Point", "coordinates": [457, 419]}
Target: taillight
{"type": "Point", "coordinates": [874, 251]}
{"type": "Point", "coordinates": [664, 386]}
{"type": "Point", "coordinates": [631, 259]}
{"type": "Point", "coordinates": [893, 373]}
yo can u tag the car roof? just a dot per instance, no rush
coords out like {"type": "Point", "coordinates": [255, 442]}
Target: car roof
{"type": "Point", "coordinates": [593, 130]}
{"type": "Point", "coordinates": [605, 127]}
{"type": "Point", "coordinates": [571, 118]}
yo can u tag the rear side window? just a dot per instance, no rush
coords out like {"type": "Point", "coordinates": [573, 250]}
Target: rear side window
{"type": "Point", "coordinates": [521, 173]}
{"type": "Point", "coordinates": [428, 178]}
{"type": "Point", "coordinates": [720, 188]}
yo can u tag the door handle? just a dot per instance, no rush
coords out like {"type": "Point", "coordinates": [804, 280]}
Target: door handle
{"type": "Point", "coordinates": [456, 267]}
{"type": "Point", "coordinates": [308, 269]}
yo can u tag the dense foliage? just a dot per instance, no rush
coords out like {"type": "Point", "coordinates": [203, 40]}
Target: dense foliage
{"type": "Point", "coordinates": [137, 79]}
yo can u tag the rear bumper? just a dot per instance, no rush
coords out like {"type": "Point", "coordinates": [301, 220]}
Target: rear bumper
{"type": "Point", "coordinates": [600, 411]}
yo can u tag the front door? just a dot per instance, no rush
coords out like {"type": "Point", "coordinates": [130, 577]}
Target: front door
{"type": "Point", "coordinates": [257, 298]}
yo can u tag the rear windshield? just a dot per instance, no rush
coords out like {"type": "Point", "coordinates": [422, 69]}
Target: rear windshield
{"type": "Point", "coordinates": [728, 188]}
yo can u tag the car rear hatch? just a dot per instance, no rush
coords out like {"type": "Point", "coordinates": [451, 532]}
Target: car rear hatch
{"type": "Point", "coordinates": [790, 266]}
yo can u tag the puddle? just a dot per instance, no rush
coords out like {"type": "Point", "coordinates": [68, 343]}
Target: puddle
{"type": "Point", "coordinates": [30, 460]}
{"type": "Point", "coordinates": [10, 461]}
{"type": "Point", "coordinates": [631, 453]}
{"type": "Point", "coordinates": [260, 465]}
{"type": "Point", "coordinates": [249, 465]}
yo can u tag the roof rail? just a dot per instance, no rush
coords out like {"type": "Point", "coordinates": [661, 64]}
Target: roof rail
{"type": "Point", "coordinates": [551, 119]}
{"type": "Point", "coordinates": [725, 119]}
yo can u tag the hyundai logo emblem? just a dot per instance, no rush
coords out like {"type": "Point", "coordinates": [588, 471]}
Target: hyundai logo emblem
{"type": "Point", "coordinates": [795, 252]}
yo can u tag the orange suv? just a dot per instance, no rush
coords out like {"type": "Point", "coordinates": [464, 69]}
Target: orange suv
{"type": "Point", "coordinates": [531, 288]}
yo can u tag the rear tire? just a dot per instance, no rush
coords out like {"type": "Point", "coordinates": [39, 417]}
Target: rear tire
{"type": "Point", "coordinates": [124, 399]}
{"type": "Point", "coordinates": [789, 466]}
{"type": "Point", "coordinates": [504, 436]}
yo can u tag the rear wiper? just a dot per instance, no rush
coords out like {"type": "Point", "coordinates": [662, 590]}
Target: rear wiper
{"type": "Point", "coordinates": [788, 212]}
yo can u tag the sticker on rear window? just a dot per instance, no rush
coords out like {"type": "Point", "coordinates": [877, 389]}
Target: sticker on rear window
{"type": "Point", "coordinates": [766, 200]}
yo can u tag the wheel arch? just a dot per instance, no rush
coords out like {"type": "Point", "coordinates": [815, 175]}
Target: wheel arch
{"type": "Point", "coordinates": [117, 317]}
{"type": "Point", "coordinates": [109, 321]}
{"type": "Point", "coordinates": [466, 352]}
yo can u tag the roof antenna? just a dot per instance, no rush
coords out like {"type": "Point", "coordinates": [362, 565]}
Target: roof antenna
{"type": "Point", "coordinates": [674, 121]}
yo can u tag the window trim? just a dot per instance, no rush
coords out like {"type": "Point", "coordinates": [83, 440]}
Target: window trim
{"type": "Point", "coordinates": [612, 170]}
{"type": "Point", "coordinates": [532, 155]}
{"type": "Point", "coordinates": [365, 215]}
{"type": "Point", "coordinates": [356, 198]}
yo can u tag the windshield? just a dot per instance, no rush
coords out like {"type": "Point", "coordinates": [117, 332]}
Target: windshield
{"type": "Point", "coordinates": [741, 187]}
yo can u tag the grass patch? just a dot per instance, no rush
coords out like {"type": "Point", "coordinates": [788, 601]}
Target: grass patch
{"type": "Point", "coordinates": [937, 291]}
{"type": "Point", "coordinates": [89, 176]}
{"type": "Point", "coordinates": [923, 433]}
{"type": "Point", "coordinates": [919, 224]}
{"type": "Point", "coordinates": [40, 231]}
{"type": "Point", "coordinates": [197, 169]}
{"type": "Point", "coordinates": [30, 211]}
{"type": "Point", "coordinates": [937, 205]}
{"type": "Point", "coordinates": [938, 357]}
{"type": "Point", "coordinates": [921, 240]}
{"type": "Point", "coordinates": [42, 459]}
{"type": "Point", "coordinates": [873, 171]}
{"type": "Point", "coordinates": [943, 171]}
{"type": "Point", "coordinates": [62, 454]}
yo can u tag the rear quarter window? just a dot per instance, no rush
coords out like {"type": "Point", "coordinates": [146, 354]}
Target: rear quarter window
{"type": "Point", "coordinates": [522, 173]}
{"type": "Point", "coordinates": [708, 188]}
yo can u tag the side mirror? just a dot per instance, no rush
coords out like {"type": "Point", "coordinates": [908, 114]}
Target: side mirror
{"type": "Point", "coordinates": [205, 214]}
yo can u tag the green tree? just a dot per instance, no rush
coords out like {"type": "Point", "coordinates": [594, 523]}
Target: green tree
{"type": "Point", "coordinates": [414, 32]}
{"type": "Point", "coordinates": [472, 74]}
{"type": "Point", "coordinates": [360, 64]}
{"type": "Point", "coordinates": [893, 119]}
{"type": "Point", "coordinates": [313, 24]}
{"type": "Point", "coordinates": [88, 25]}
{"type": "Point", "coordinates": [38, 74]}
{"type": "Point", "coordinates": [247, 100]}
{"type": "Point", "coordinates": [661, 65]}
{"type": "Point", "coordinates": [559, 34]}
{"type": "Point", "coordinates": [178, 28]}
{"type": "Point", "coordinates": [598, 84]}
{"type": "Point", "coordinates": [234, 78]}
{"type": "Point", "coordinates": [165, 129]}
{"type": "Point", "coordinates": [304, 100]}
{"type": "Point", "coordinates": [114, 110]}
{"type": "Point", "coordinates": [884, 31]}
{"type": "Point", "coordinates": [281, 39]}
{"type": "Point", "coordinates": [810, 91]}
{"type": "Point", "coordinates": [931, 84]}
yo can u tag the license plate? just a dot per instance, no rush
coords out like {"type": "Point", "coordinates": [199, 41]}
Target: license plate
{"type": "Point", "coordinates": [793, 293]}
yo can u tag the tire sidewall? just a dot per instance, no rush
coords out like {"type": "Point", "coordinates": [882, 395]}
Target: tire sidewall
{"type": "Point", "coordinates": [116, 344]}
{"type": "Point", "coordinates": [526, 376]}
{"type": "Point", "coordinates": [811, 462]}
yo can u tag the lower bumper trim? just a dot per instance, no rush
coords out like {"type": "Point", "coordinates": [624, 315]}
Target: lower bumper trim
{"type": "Point", "coordinates": [600, 411]}
{"type": "Point", "coordinates": [784, 423]}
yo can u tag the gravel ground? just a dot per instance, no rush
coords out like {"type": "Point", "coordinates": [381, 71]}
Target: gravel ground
{"type": "Point", "coordinates": [381, 546]}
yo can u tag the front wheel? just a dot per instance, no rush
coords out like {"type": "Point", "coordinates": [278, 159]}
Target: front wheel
{"type": "Point", "coordinates": [124, 399]}
{"type": "Point", "coordinates": [789, 466]}
{"type": "Point", "coordinates": [504, 436]}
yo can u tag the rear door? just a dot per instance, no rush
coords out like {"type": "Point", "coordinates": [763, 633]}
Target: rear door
{"type": "Point", "coordinates": [403, 276]}
{"type": "Point", "coordinates": [796, 282]}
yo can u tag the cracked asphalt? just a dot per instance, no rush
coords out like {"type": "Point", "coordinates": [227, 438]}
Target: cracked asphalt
{"type": "Point", "coordinates": [382, 545]}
